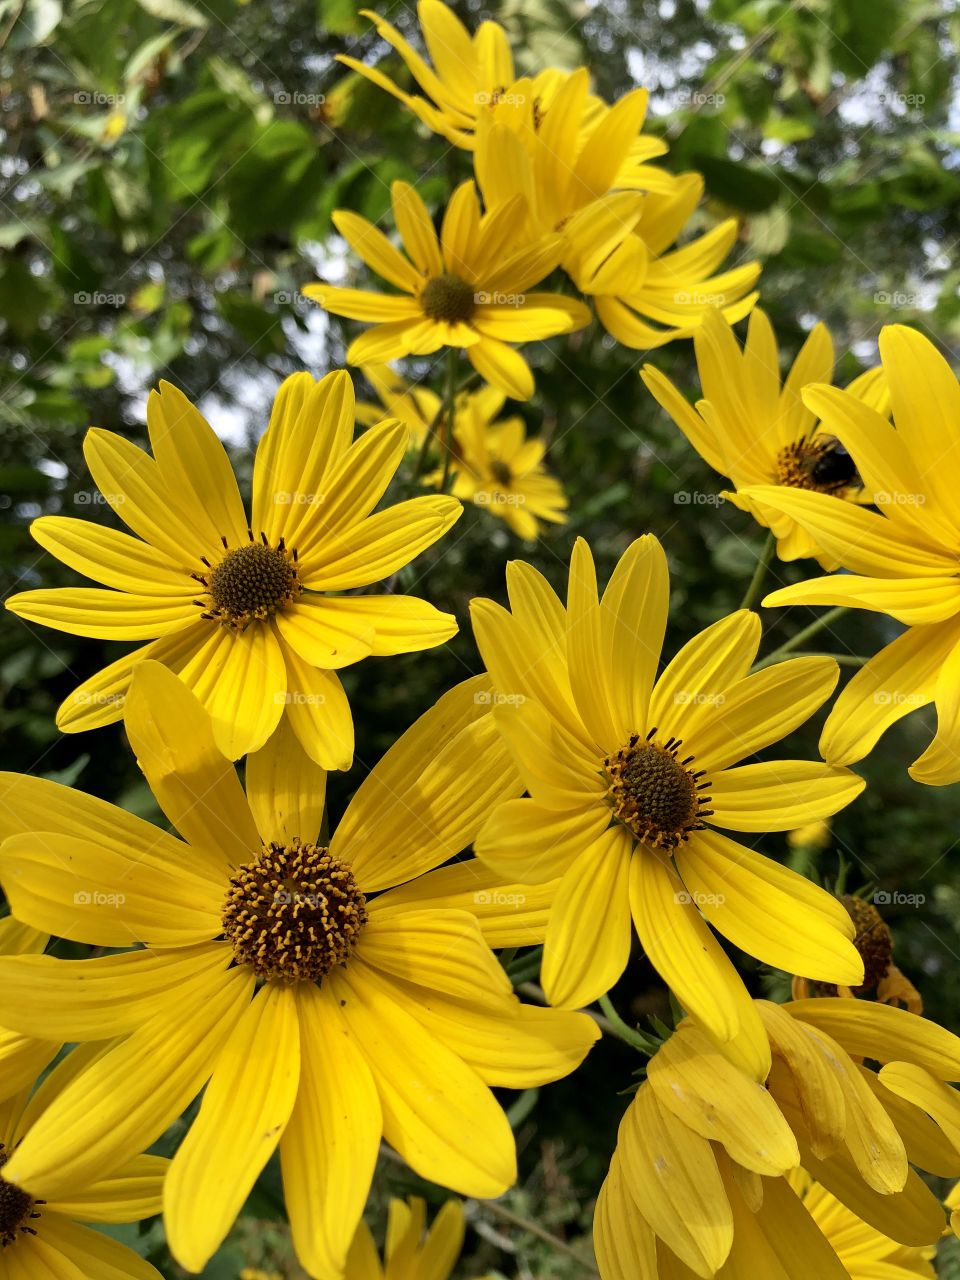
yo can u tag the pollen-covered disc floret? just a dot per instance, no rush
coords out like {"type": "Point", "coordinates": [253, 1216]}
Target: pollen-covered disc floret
{"type": "Point", "coordinates": [448, 298]}
{"type": "Point", "coordinates": [817, 463]}
{"type": "Point", "coordinates": [294, 913]}
{"type": "Point", "coordinates": [654, 792]}
{"type": "Point", "coordinates": [251, 583]}
{"type": "Point", "coordinates": [17, 1209]}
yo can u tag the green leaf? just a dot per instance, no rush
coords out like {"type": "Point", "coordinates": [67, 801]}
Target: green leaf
{"type": "Point", "coordinates": [740, 185]}
{"type": "Point", "coordinates": [185, 15]}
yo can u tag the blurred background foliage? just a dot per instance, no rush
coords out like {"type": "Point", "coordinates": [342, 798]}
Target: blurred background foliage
{"type": "Point", "coordinates": [168, 172]}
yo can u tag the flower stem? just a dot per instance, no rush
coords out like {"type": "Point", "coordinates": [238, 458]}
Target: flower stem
{"type": "Point", "coordinates": [533, 1228]}
{"type": "Point", "coordinates": [759, 574]}
{"type": "Point", "coordinates": [801, 638]}
{"type": "Point", "coordinates": [636, 1039]}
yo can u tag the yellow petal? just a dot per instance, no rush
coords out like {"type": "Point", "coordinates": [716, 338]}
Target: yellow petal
{"type": "Point", "coordinates": [337, 1113]}
{"type": "Point", "coordinates": [884, 1033]}
{"type": "Point", "coordinates": [443, 951]}
{"type": "Point", "coordinates": [437, 1112]}
{"type": "Point", "coordinates": [104, 615]}
{"type": "Point", "coordinates": [625, 1245]}
{"type": "Point", "coordinates": [769, 911]}
{"type": "Point", "coordinates": [130, 1193]}
{"type": "Point", "coordinates": [319, 713]}
{"type": "Point", "coordinates": [716, 658]}
{"type": "Point", "coordinates": [502, 367]}
{"type": "Point", "coordinates": [804, 1076]}
{"type": "Point", "coordinates": [588, 937]}
{"type": "Point", "coordinates": [937, 1099]}
{"type": "Point", "coordinates": [323, 636]}
{"type": "Point", "coordinates": [113, 558]}
{"type": "Point", "coordinates": [226, 1148]}
{"type": "Point", "coordinates": [526, 841]}
{"type": "Point", "coordinates": [695, 1082]}
{"type": "Point", "coordinates": [780, 795]}
{"type": "Point", "coordinates": [633, 615]}
{"type": "Point", "coordinates": [241, 681]}
{"type": "Point", "coordinates": [285, 789]}
{"type": "Point", "coordinates": [196, 787]}
{"type": "Point", "coordinates": [69, 1251]}
{"type": "Point", "coordinates": [416, 228]}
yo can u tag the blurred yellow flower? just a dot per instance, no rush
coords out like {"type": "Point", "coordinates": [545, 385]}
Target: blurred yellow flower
{"type": "Point", "coordinates": [900, 560]}
{"type": "Point", "coordinates": [705, 1180]}
{"type": "Point", "coordinates": [41, 1231]}
{"type": "Point", "coordinates": [241, 987]}
{"type": "Point", "coordinates": [634, 780]}
{"type": "Point", "coordinates": [243, 607]}
{"type": "Point", "coordinates": [750, 427]}
{"type": "Point", "coordinates": [411, 1252]}
{"type": "Point", "coordinates": [467, 288]}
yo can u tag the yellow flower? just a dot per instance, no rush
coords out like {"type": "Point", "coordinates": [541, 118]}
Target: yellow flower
{"type": "Point", "coordinates": [865, 1252]}
{"type": "Point", "coordinates": [318, 1016]}
{"type": "Point", "coordinates": [756, 431]}
{"type": "Point", "coordinates": [22, 1058]}
{"type": "Point", "coordinates": [697, 1185]}
{"type": "Point", "coordinates": [415, 404]}
{"type": "Point", "coordinates": [631, 776]}
{"type": "Point", "coordinates": [242, 606]}
{"type": "Point", "coordinates": [901, 560]}
{"type": "Point", "coordinates": [40, 1228]}
{"type": "Point", "coordinates": [466, 289]}
{"type": "Point", "coordinates": [410, 1253]}
{"type": "Point", "coordinates": [468, 77]}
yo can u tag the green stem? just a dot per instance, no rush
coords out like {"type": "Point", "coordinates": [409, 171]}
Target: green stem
{"type": "Point", "coordinates": [759, 574]}
{"type": "Point", "coordinates": [451, 400]}
{"type": "Point", "coordinates": [801, 638]}
{"type": "Point", "coordinates": [636, 1039]}
{"type": "Point", "coordinates": [534, 1229]}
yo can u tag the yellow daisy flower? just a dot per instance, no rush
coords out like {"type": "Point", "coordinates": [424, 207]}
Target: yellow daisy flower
{"type": "Point", "coordinates": [633, 781]}
{"type": "Point", "coordinates": [865, 1252]}
{"type": "Point", "coordinates": [414, 403]}
{"type": "Point", "coordinates": [247, 609]}
{"type": "Point", "coordinates": [697, 1185]}
{"type": "Point", "coordinates": [752, 428]}
{"type": "Point", "coordinates": [319, 1017]}
{"type": "Point", "coordinates": [411, 1252]}
{"type": "Point", "coordinates": [900, 560]}
{"type": "Point", "coordinates": [41, 1234]}
{"type": "Point", "coordinates": [467, 288]}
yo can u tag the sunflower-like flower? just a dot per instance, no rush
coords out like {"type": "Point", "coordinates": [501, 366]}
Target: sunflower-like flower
{"type": "Point", "coordinates": [22, 1058]}
{"type": "Point", "coordinates": [467, 288]}
{"type": "Point", "coordinates": [41, 1231]}
{"type": "Point", "coordinates": [411, 1252]}
{"type": "Point", "coordinates": [750, 427]}
{"type": "Point", "coordinates": [320, 1017]}
{"type": "Point", "coordinates": [704, 1182]}
{"type": "Point", "coordinates": [901, 560]}
{"type": "Point", "coordinates": [247, 609]}
{"type": "Point", "coordinates": [633, 781]}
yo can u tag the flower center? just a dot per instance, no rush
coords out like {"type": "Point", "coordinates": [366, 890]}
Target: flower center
{"type": "Point", "coordinates": [17, 1209]}
{"type": "Point", "coordinates": [250, 583]}
{"type": "Point", "coordinates": [501, 473]}
{"type": "Point", "coordinates": [654, 793]}
{"type": "Point", "coordinates": [448, 298]}
{"type": "Point", "coordinates": [294, 913]}
{"type": "Point", "coordinates": [819, 463]}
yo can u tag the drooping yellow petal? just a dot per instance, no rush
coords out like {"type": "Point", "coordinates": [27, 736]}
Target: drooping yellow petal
{"type": "Point", "coordinates": [803, 1076]}
{"type": "Point", "coordinates": [241, 681]}
{"type": "Point", "coordinates": [285, 789]}
{"type": "Point", "coordinates": [625, 1244]}
{"type": "Point", "coordinates": [319, 713]}
{"type": "Point", "coordinates": [884, 1033]}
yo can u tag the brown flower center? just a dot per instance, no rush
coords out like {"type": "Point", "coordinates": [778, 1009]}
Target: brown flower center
{"type": "Point", "coordinates": [251, 583]}
{"type": "Point", "coordinates": [294, 913]}
{"type": "Point", "coordinates": [501, 473]}
{"type": "Point", "coordinates": [654, 793]}
{"type": "Point", "coordinates": [17, 1209]}
{"type": "Point", "coordinates": [819, 463]}
{"type": "Point", "coordinates": [448, 298]}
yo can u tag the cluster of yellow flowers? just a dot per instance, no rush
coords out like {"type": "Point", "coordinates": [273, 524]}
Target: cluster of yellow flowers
{"type": "Point", "coordinates": [323, 987]}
